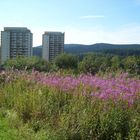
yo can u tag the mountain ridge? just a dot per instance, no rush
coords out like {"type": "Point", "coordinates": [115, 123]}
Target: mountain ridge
{"type": "Point", "coordinates": [122, 49]}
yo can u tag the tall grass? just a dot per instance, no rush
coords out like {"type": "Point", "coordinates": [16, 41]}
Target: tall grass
{"type": "Point", "coordinates": [51, 106]}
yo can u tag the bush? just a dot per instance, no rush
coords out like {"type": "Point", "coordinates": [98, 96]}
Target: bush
{"type": "Point", "coordinates": [28, 63]}
{"type": "Point", "coordinates": [116, 63]}
{"type": "Point", "coordinates": [132, 64]}
{"type": "Point", "coordinates": [93, 63]}
{"type": "Point", "coordinates": [37, 106]}
{"type": "Point", "coordinates": [66, 61]}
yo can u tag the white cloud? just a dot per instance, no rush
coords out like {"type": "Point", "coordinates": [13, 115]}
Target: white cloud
{"type": "Point", "coordinates": [129, 35]}
{"type": "Point", "coordinates": [92, 16]}
{"type": "Point", "coordinates": [39, 31]}
{"type": "Point", "coordinates": [125, 35]}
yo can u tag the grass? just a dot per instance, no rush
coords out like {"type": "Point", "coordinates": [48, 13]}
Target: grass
{"type": "Point", "coordinates": [32, 110]}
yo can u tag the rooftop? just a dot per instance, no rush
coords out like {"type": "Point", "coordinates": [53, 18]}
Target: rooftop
{"type": "Point", "coordinates": [16, 29]}
{"type": "Point", "coordinates": [51, 32]}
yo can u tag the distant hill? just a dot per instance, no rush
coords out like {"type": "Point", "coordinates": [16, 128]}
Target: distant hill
{"type": "Point", "coordinates": [37, 51]}
{"type": "Point", "coordinates": [121, 49]}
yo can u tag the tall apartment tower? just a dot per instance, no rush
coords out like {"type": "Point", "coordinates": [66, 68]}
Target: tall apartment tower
{"type": "Point", "coordinates": [15, 41]}
{"type": "Point", "coordinates": [53, 44]}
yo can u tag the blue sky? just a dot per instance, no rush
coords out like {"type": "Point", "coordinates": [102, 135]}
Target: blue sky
{"type": "Point", "coordinates": [83, 21]}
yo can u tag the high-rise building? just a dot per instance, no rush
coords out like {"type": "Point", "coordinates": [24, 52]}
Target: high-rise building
{"type": "Point", "coordinates": [53, 44]}
{"type": "Point", "coordinates": [15, 41]}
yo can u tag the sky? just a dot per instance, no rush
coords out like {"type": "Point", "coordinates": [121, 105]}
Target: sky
{"type": "Point", "coordinates": [83, 21]}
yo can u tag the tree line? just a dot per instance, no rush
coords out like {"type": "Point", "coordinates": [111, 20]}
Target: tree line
{"type": "Point", "coordinates": [89, 63]}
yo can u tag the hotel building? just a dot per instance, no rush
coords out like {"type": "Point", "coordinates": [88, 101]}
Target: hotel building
{"type": "Point", "coordinates": [53, 44]}
{"type": "Point", "coordinates": [16, 41]}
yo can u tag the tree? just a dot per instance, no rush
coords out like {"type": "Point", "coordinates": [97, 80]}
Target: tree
{"type": "Point", "coordinates": [66, 61]}
{"type": "Point", "coordinates": [116, 63]}
{"type": "Point", "coordinates": [89, 64]}
{"type": "Point", "coordinates": [132, 64]}
{"type": "Point", "coordinates": [28, 63]}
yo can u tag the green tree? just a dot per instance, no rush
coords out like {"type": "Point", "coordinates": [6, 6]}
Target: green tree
{"type": "Point", "coordinates": [105, 63]}
{"type": "Point", "coordinates": [89, 64]}
{"type": "Point", "coordinates": [132, 64]}
{"type": "Point", "coordinates": [66, 61]}
{"type": "Point", "coordinates": [116, 63]}
{"type": "Point", "coordinates": [28, 63]}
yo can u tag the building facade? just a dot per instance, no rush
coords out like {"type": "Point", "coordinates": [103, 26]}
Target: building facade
{"type": "Point", "coordinates": [52, 45]}
{"type": "Point", "coordinates": [16, 41]}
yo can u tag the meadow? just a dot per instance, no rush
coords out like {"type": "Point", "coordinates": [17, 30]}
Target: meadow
{"type": "Point", "coordinates": [59, 106]}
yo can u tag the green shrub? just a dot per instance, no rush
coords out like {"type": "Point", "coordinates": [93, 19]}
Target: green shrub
{"type": "Point", "coordinates": [28, 63]}
{"type": "Point", "coordinates": [66, 61]}
{"type": "Point", "coordinates": [29, 110]}
{"type": "Point", "coordinates": [93, 63]}
{"type": "Point", "coordinates": [132, 64]}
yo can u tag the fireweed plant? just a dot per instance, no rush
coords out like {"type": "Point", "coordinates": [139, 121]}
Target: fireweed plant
{"type": "Point", "coordinates": [58, 106]}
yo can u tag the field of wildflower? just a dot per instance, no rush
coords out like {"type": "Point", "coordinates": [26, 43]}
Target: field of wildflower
{"type": "Point", "coordinates": [58, 106]}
